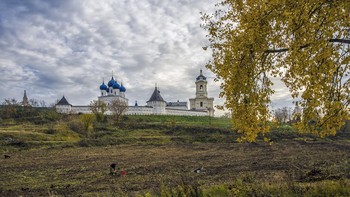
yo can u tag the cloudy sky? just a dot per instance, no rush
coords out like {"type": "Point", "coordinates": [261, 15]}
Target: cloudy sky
{"type": "Point", "coordinates": [53, 48]}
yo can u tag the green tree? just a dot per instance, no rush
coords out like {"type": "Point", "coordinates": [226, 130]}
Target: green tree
{"type": "Point", "coordinates": [99, 108]}
{"type": "Point", "coordinates": [87, 120]}
{"type": "Point", "coordinates": [9, 108]}
{"type": "Point", "coordinates": [305, 43]}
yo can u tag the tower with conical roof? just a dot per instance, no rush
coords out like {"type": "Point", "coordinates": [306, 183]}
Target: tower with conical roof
{"type": "Point", "coordinates": [202, 102]}
{"type": "Point", "coordinates": [157, 102]}
{"type": "Point", "coordinates": [25, 101]}
{"type": "Point", "coordinates": [63, 106]}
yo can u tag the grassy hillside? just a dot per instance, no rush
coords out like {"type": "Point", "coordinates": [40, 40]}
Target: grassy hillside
{"type": "Point", "coordinates": [68, 131]}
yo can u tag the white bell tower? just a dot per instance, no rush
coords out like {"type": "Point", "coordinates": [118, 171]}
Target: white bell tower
{"type": "Point", "coordinates": [202, 102]}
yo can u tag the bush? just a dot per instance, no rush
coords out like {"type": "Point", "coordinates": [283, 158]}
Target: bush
{"type": "Point", "coordinates": [76, 126]}
{"type": "Point", "coordinates": [51, 130]}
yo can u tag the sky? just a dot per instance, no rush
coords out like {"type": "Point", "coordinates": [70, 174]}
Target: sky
{"type": "Point", "coordinates": [52, 48]}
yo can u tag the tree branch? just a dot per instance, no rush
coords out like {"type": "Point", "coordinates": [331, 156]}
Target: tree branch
{"type": "Point", "coordinates": [338, 40]}
{"type": "Point", "coordinates": [344, 41]}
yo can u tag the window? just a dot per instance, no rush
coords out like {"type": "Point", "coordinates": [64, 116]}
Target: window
{"type": "Point", "coordinates": [201, 87]}
{"type": "Point", "coordinates": [201, 104]}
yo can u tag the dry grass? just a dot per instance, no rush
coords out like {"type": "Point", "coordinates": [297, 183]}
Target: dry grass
{"type": "Point", "coordinates": [75, 171]}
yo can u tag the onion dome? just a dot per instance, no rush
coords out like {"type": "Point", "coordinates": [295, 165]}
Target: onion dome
{"type": "Point", "coordinates": [122, 88]}
{"type": "Point", "coordinates": [116, 85]}
{"type": "Point", "coordinates": [103, 86]}
{"type": "Point", "coordinates": [111, 82]}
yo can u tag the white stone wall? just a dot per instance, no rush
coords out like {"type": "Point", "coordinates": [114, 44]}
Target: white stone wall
{"type": "Point", "coordinates": [108, 99]}
{"type": "Point", "coordinates": [132, 110]}
{"type": "Point", "coordinates": [177, 107]}
{"type": "Point", "coordinates": [157, 106]}
{"type": "Point", "coordinates": [139, 110]}
{"type": "Point", "coordinates": [81, 109]}
{"type": "Point", "coordinates": [64, 109]}
{"type": "Point", "coordinates": [185, 112]}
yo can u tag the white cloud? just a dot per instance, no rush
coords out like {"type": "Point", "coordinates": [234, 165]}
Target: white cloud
{"type": "Point", "coordinates": [55, 48]}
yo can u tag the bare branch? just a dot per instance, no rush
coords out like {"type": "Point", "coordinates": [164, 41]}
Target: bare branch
{"type": "Point", "coordinates": [336, 40]}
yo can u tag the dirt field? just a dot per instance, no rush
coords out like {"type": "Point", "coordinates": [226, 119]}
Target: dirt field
{"type": "Point", "coordinates": [76, 171]}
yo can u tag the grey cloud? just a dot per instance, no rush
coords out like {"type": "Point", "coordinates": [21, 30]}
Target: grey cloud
{"type": "Point", "coordinates": [68, 47]}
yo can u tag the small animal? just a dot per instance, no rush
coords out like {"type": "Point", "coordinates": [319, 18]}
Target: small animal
{"type": "Point", "coordinates": [198, 170]}
{"type": "Point", "coordinates": [7, 156]}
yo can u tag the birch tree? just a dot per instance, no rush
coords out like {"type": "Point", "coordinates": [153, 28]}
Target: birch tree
{"type": "Point", "coordinates": [305, 43]}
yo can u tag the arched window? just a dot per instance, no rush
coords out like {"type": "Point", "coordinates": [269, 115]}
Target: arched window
{"type": "Point", "coordinates": [201, 87]}
{"type": "Point", "coordinates": [201, 104]}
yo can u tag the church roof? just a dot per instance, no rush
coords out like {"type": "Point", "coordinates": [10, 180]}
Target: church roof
{"type": "Point", "coordinates": [63, 101]}
{"type": "Point", "coordinates": [176, 103]}
{"type": "Point", "coordinates": [201, 76]}
{"type": "Point", "coordinates": [156, 96]}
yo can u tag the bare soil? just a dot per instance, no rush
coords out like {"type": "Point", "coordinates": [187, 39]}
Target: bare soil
{"type": "Point", "coordinates": [85, 171]}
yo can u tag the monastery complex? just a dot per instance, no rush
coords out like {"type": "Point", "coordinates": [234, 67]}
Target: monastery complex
{"type": "Point", "coordinates": [201, 105]}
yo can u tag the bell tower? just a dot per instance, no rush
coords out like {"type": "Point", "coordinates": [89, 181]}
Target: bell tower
{"type": "Point", "coordinates": [201, 86]}
{"type": "Point", "coordinates": [202, 102]}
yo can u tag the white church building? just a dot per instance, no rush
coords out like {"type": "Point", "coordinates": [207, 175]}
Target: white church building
{"type": "Point", "coordinates": [201, 105]}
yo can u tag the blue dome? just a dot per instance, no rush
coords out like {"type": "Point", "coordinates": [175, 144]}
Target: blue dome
{"type": "Point", "coordinates": [111, 82]}
{"type": "Point", "coordinates": [103, 86]}
{"type": "Point", "coordinates": [116, 85]}
{"type": "Point", "coordinates": [122, 88]}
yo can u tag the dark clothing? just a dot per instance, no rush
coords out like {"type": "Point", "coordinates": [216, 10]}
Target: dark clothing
{"type": "Point", "coordinates": [113, 169]}
{"type": "Point", "coordinates": [113, 165]}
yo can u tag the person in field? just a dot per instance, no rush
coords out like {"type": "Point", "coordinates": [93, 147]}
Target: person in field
{"type": "Point", "coordinates": [113, 169]}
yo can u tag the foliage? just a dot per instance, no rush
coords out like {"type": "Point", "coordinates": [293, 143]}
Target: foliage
{"type": "Point", "coordinates": [118, 107]}
{"type": "Point", "coordinates": [51, 115]}
{"type": "Point", "coordinates": [99, 108]}
{"type": "Point", "coordinates": [303, 42]}
{"type": "Point", "coordinates": [76, 126]}
{"type": "Point", "coordinates": [9, 108]}
{"type": "Point", "coordinates": [87, 121]}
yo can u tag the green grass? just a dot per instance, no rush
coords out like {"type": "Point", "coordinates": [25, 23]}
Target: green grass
{"type": "Point", "coordinates": [152, 130]}
{"type": "Point", "coordinates": [26, 135]}
{"type": "Point", "coordinates": [204, 121]}
{"type": "Point", "coordinates": [255, 188]}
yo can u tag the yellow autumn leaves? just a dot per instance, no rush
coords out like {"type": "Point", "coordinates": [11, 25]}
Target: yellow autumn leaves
{"type": "Point", "coordinates": [298, 41]}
